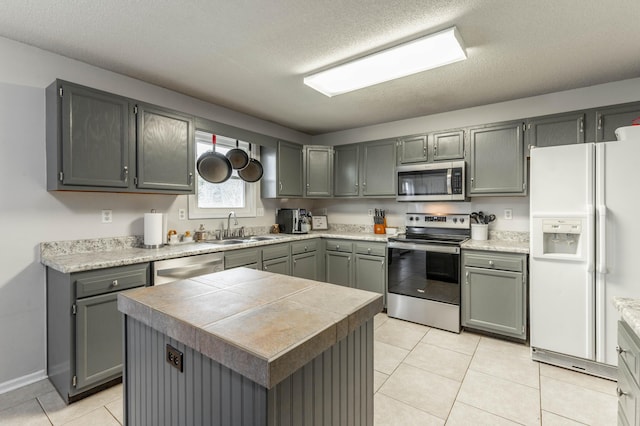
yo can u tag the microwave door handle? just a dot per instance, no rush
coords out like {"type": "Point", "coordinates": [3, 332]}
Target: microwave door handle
{"type": "Point", "coordinates": [449, 172]}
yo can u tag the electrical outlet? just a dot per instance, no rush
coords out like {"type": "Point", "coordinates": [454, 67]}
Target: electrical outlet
{"type": "Point", "coordinates": [107, 216]}
{"type": "Point", "coordinates": [182, 214]}
{"type": "Point", "coordinates": [508, 214]}
{"type": "Point", "coordinates": [175, 358]}
{"type": "Point", "coordinates": [370, 212]}
{"type": "Point", "coordinates": [260, 211]}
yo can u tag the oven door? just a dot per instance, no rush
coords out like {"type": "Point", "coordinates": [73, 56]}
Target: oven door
{"type": "Point", "coordinates": [425, 271]}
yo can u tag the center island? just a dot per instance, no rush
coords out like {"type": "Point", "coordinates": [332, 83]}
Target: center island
{"type": "Point", "coordinates": [247, 347]}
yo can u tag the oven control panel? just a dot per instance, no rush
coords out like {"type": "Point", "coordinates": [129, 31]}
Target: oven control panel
{"type": "Point", "coordinates": [429, 220]}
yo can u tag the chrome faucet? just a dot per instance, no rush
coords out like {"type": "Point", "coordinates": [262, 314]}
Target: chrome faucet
{"type": "Point", "coordinates": [235, 222]}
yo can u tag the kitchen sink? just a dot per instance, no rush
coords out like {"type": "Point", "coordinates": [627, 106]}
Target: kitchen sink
{"type": "Point", "coordinates": [261, 238]}
{"type": "Point", "coordinates": [227, 242]}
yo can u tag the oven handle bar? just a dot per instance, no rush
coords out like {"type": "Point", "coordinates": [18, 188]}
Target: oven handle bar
{"type": "Point", "coordinates": [424, 247]}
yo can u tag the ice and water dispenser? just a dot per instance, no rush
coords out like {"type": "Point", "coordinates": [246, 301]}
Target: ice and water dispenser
{"type": "Point", "coordinates": [561, 236]}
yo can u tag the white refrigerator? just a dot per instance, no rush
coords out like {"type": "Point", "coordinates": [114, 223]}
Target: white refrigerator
{"type": "Point", "coordinates": [585, 246]}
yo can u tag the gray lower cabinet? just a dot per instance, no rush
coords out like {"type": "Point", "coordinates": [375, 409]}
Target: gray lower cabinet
{"type": "Point", "coordinates": [248, 258]}
{"type": "Point", "coordinates": [346, 178]}
{"type": "Point", "coordinates": [306, 260]}
{"type": "Point", "coordinates": [494, 293]}
{"type": "Point", "coordinates": [318, 171]}
{"type": "Point", "coordinates": [98, 141]}
{"type": "Point", "coordinates": [339, 262]}
{"type": "Point", "coordinates": [371, 274]}
{"type": "Point", "coordinates": [628, 375]}
{"type": "Point", "coordinates": [412, 149]}
{"type": "Point", "coordinates": [276, 258]}
{"type": "Point", "coordinates": [164, 149]}
{"type": "Point", "coordinates": [283, 168]}
{"type": "Point", "coordinates": [497, 161]}
{"type": "Point", "coordinates": [610, 118]}
{"type": "Point", "coordinates": [84, 327]}
{"type": "Point", "coordinates": [554, 130]}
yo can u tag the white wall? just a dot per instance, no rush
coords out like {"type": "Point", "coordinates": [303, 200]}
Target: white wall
{"type": "Point", "coordinates": [29, 214]}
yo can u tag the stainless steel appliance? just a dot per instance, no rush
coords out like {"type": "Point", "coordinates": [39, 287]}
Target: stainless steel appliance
{"type": "Point", "coordinates": [166, 271]}
{"type": "Point", "coordinates": [442, 181]}
{"type": "Point", "coordinates": [293, 221]}
{"type": "Point", "coordinates": [424, 270]}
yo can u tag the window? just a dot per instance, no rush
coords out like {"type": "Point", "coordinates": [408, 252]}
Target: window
{"type": "Point", "coordinates": [216, 200]}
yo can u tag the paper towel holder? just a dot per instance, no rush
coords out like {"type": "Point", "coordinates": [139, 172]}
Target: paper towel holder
{"type": "Point", "coordinates": [148, 238]}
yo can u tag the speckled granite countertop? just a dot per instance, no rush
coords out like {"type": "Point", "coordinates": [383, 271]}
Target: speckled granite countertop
{"type": "Point", "coordinates": [264, 326]}
{"type": "Point", "coordinates": [101, 255]}
{"type": "Point", "coordinates": [629, 311]}
{"type": "Point", "coordinates": [505, 241]}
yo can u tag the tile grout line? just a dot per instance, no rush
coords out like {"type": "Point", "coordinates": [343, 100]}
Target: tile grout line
{"type": "Point", "coordinates": [462, 381]}
{"type": "Point", "coordinates": [44, 411]}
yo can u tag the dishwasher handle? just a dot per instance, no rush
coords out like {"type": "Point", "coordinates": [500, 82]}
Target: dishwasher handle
{"type": "Point", "coordinates": [185, 270]}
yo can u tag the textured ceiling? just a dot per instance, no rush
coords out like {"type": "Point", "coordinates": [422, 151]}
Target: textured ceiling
{"type": "Point", "coordinates": [251, 55]}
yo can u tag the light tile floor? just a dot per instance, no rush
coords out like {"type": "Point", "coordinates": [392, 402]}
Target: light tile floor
{"type": "Point", "coordinates": [423, 376]}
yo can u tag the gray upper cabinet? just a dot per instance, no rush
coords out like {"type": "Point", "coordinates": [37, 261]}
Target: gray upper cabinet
{"type": "Point", "coordinates": [89, 138]}
{"type": "Point", "coordinates": [378, 170]}
{"type": "Point", "coordinates": [97, 142]}
{"type": "Point", "coordinates": [497, 161]}
{"type": "Point", "coordinates": [412, 149]}
{"type": "Point", "coordinates": [609, 119]}
{"type": "Point", "coordinates": [447, 146]}
{"type": "Point", "coordinates": [283, 168]}
{"type": "Point", "coordinates": [165, 149]}
{"type": "Point", "coordinates": [346, 182]}
{"type": "Point", "coordinates": [560, 129]}
{"type": "Point", "coordinates": [318, 171]}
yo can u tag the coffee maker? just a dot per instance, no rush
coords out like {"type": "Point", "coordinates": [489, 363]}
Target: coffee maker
{"type": "Point", "coordinates": [293, 221]}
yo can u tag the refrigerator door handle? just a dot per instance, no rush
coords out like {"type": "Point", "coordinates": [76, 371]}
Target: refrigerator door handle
{"type": "Point", "coordinates": [591, 239]}
{"type": "Point", "coordinates": [602, 239]}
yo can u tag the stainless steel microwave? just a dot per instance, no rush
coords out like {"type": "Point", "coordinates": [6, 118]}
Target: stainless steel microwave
{"type": "Point", "coordinates": [443, 181]}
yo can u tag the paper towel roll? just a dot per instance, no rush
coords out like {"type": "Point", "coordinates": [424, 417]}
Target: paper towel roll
{"type": "Point", "coordinates": [153, 229]}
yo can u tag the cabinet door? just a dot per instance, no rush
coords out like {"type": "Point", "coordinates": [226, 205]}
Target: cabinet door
{"type": "Point", "coordinates": [338, 268]}
{"type": "Point", "coordinates": [96, 148]}
{"type": "Point", "coordinates": [98, 339]}
{"type": "Point", "coordinates": [609, 119]}
{"type": "Point", "coordinates": [555, 130]}
{"type": "Point", "coordinates": [497, 160]}
{"type": "Point", "coordinates": [305, 266]}
{"type": "Point", "coordinates": [412, 149]}
{"type": "Point", "coordinates": [371, 273]}
{"type": "Point", "coordinates": [378, 168]}
{"type": "Point", "coordinates": [318, 171]}
{"type": "Point", "coordinates": [345, 171]}
{"type": "Point", "coordinates": [494, 301]}
{"type": "Point", "coordinates": [289, 169]}
{"type": "Point", "coordinates": [447, 145]}
{"type": "Point", "coordinates": [281, 265]}
{"type": "Point", "coordinates": [165, 143]}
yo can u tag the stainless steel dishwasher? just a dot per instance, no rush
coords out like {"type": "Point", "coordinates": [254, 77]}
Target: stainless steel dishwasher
{"type": "Point", "coordinates": [166, 271]}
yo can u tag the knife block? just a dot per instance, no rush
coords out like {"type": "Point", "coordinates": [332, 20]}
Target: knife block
{"type": "Point", "coordinates": [379, 228]}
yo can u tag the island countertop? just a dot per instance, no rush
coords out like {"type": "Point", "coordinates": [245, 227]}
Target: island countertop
{"type": "Point", "coordinates": [262, 325]}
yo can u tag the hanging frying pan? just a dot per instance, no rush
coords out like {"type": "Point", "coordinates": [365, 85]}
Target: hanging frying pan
{"type": "Point", "coordinates": [253, 171]}
{"type": "Point", "coordinates": [238, 157]}
{"type": "Point", "coordinates": [213, 166]}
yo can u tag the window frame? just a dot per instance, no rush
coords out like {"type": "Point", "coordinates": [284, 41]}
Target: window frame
{"type": "Point", "coordinates": [251, 190]}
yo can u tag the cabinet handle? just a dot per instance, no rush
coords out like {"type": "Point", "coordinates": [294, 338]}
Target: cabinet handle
{"type": "Point", "coordinates": [114, 283]}
{"type": "Point", "coordinates": [294, 261]}
{"type": "Point", "coordinates": [466, 275]}
{"type": "Point", "coordinates": [305, 248]}
{"type": "Point", "coordinates": [620, 392]}
{"type": "Point", "coordinates": [491, 263]}
{"type": "Point", "coordinates": [190, 178]}
{"type": "Point", "coordinates": [265, 267]}
{"type": "Point", "coordinates": [337, 246]}
{"type": "Point", "coordinates": [435, 149]}
{"type": "Point", "coordinates": [382, 264]}
{"type": "Point", "coordinates": [619, 350]}
{"type": "Point", "coordinates": [472, 183]}
{"type": "Point", "coordinates": [280, 185]}
{"type": "Point", "coordinates": [126, 173]}
{"type": "Point", "coordinates": [581, 125]}
{"type": "Point", "coordinates": [369, 250]}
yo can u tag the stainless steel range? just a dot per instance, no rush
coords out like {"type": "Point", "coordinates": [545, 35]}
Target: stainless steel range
{"type": "Point", "coordinates": [424, 270]}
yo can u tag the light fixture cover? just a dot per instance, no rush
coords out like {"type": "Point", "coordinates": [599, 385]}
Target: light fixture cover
{"type": "Point", "coordinates": [432, 51]}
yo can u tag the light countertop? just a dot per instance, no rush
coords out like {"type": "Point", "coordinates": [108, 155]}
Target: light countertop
{"type": "Point", "coordinates": [264, 326]}
{"type": "Point", "coordinates": [629, 311]}
{"type": "Point", "coordinates": [510, 246]}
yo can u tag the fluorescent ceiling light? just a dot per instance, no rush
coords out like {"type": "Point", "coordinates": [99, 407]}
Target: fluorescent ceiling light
{"type": "Point", "coordinates": [432, 51]}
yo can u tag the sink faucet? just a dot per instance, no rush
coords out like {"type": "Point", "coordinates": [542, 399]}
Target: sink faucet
{"type": "Point", "coordinates": [235, 222]}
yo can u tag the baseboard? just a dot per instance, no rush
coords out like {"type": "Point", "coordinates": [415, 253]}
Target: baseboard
{"type": "Point", "coordinates": [22, 381]}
